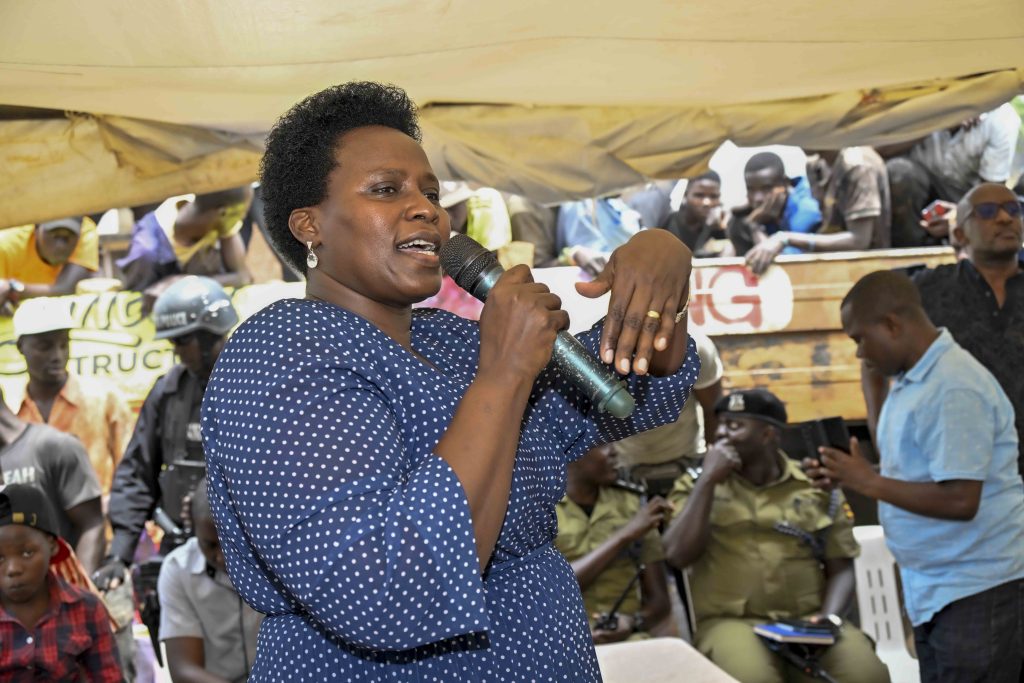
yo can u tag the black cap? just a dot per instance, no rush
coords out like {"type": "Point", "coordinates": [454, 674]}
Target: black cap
{"type": "Point", "coordinates": [27, 505]}
{"type": "Point", "coordinates": [759, 404]}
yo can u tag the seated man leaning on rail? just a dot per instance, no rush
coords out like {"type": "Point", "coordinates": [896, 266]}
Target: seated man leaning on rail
{"type": "Point", "coordinates": [183, 236]}
{"type": "Point", "coordinates": [48, 259]}
{"type": "Point", "coordinates": [775, 203]}
{"type": "Point", "coordinates": [853, 188]}
{"type": "Point", "coordinates": [763, 544]}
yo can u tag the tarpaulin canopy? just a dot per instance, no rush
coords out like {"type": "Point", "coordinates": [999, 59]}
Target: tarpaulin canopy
{"type": "Point", "coordinates": [548, 99]}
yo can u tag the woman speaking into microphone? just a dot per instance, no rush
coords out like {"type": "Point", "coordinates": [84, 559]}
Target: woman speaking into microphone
{"type": "Point", "coordinates": [384, 479]}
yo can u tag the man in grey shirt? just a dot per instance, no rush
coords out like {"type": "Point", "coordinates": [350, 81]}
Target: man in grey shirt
{"type": "Point", "coordinates": [208, 630]}
{"type": "Point", "coordinates": [56, 464]}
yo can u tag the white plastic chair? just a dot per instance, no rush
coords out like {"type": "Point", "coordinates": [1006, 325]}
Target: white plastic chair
{"type": "Point", "coordinates": [657, 660]}
{"type": "Point", "coordinates": [879, 604]}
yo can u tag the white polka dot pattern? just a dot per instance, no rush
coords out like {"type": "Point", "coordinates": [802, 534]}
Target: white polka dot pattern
{"type": "Point", "coordinates": [339, 522]}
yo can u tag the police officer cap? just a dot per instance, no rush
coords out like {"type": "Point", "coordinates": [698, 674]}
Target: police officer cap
{"type": "Point", "coordinates": [193, 303]}
{"type": "Point", "coordinates": [758, 404]}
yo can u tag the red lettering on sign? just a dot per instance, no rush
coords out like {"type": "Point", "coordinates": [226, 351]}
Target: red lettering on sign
{"type": "Point", "coordinates": [703, 302]}
{"type": "Point", "coordinates": [699, 299]}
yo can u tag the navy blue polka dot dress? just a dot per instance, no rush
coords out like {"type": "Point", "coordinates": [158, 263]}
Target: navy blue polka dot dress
{"type": "Point", "coordinates": [341, 525]}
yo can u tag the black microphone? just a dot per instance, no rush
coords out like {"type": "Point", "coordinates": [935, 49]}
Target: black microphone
{"type": "Point", "coordinates": [476, 270]}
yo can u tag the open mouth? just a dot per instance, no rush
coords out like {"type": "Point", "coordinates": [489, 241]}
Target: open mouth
{"type": "Point", "coordinates": [421, 246]}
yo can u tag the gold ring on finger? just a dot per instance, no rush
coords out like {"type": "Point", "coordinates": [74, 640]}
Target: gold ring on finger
{"type": "Point", "coordinates": [653, 314]}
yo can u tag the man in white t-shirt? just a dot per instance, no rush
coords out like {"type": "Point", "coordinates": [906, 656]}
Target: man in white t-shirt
{"type": "Point", "coordinates": [945, 165]}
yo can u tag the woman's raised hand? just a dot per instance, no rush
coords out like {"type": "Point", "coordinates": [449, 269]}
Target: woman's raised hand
{"type": "Point", "coordinates": [648, 277]}
{"type": "Point", "coordinates": [518, 326]}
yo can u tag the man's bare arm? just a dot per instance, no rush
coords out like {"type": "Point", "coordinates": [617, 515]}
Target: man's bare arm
{"type": "Point", "coordinates": [67, 281]}
{"type": "Point", "coordinates": [186, 659]}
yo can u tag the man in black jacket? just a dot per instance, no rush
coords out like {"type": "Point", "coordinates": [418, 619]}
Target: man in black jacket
{"type": "Point", "coordinates": [165, 453]}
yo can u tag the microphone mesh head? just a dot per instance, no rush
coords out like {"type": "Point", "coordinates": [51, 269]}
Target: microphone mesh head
{"type": "Point", "coordinates": [463, 259]}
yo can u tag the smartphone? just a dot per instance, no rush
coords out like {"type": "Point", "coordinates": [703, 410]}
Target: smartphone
{"type": "Point", "coordinates": [802, 440]}
{"type": "Point", "coordinates": [934, 211]}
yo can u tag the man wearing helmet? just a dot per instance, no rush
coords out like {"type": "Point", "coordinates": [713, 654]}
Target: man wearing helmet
{"type": "Point", "coordinates": [165, 454]}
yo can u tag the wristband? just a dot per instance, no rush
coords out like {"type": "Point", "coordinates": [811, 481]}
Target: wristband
{"type": "Point", "coordinates": [15, 288]}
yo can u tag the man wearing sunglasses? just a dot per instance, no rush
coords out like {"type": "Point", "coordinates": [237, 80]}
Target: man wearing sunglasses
{"type": "Point", "coordinates": [980, 300]}
{"type": "Point", "coordinates": [196, 315]}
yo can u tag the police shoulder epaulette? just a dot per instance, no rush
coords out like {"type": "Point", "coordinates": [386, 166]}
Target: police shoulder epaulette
{"type": "Point", "coordinates": [630, 486]}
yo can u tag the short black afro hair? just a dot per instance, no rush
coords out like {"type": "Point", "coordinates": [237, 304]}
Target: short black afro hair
{"type": "Point", "coordinates": [300, 151]}
{"type": "Point", "coordinates": [885, 291]}
{"type": "Point", "coordinates": [766, 160]}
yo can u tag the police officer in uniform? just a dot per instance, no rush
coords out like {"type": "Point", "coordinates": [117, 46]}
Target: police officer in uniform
{"type": "Point", "coordinates": [165, 455]}
{"type": "Point", "coordinates": [609, 534]}
{"type": "Point", "coordinates": [762, 544]}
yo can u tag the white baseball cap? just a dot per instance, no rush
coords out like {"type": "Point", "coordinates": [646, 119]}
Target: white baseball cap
{"type": "Point", "coordinates": [42, 314]}
{"type": "Point", "coordinates": [454, 192]}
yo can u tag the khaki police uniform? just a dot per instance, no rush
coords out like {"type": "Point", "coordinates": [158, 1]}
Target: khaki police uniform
{"type": "Point", "coordinates": [763, 561]}
{"type": "Point", "coordinates": [680, 442]}
{"type": "Point", "coordinates": [579, 535]}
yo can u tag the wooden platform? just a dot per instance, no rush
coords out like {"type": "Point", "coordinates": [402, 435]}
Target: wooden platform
{"type": "Point", "coordinates": [801, 354]}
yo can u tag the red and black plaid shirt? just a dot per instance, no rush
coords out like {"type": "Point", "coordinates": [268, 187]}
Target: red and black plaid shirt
{"type": "Point", "coordinates": [72, 642]}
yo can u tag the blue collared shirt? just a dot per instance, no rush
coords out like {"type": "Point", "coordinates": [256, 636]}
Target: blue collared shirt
{"type": "Point", "coordinates": [600, 224]}
{"type": "Point", "coordinates": [947, 418]}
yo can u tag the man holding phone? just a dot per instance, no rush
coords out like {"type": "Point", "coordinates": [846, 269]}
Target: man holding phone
{"type": "Point", "coordinates": [951, 501]}
{"type": "Point", "coordinates": [945, 165]}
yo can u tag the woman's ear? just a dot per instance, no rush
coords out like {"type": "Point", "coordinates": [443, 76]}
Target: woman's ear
{"type": "Point", "coordinates": [303, 224]}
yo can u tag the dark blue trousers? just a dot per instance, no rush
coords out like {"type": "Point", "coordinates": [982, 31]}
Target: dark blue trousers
{"type": "Point", "coordinates": [977, 638]}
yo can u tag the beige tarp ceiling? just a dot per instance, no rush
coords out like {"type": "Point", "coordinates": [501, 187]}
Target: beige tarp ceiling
{"type": "Point", "coordinates": [135, 101]}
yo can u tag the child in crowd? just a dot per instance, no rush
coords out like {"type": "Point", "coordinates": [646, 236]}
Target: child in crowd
{"type": "Point", "coordinates": [49, 629]}
{"type": "Point", "coordinates": [208, 630]}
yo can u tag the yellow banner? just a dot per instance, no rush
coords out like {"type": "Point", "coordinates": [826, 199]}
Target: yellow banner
{"type": "Point", "coordinates": [115, 341]}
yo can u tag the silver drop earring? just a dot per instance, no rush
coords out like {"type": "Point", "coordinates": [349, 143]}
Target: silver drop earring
{"type": "Point", "coordinates": [311, 258]}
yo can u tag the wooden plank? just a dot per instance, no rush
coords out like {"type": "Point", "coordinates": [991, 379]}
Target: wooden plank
{"type": "Point", "coordinates": [817, 374]}
{"type": "Point", "coordinates": [809, 363]}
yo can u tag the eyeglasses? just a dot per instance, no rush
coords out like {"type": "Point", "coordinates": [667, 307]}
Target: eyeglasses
{"type": "Point", "coordinates": [989, 210]}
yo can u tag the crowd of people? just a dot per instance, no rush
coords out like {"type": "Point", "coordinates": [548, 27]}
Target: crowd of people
{"type": "Point", "coordinates": [765, 536]}
{"type": "Point", "coordinates": [855, 198]}
{"type": "Point", "coordinates": [709, 500]}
